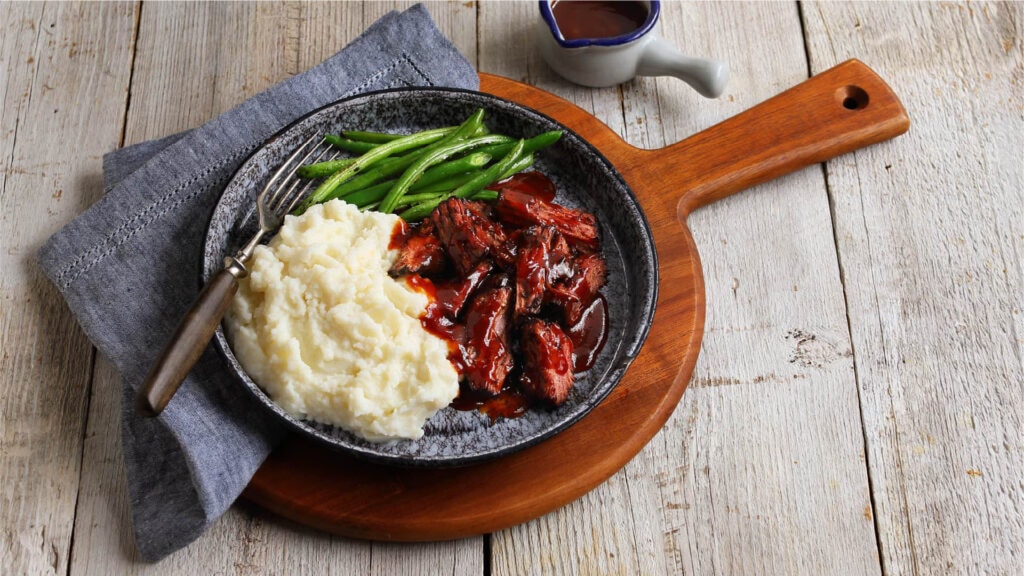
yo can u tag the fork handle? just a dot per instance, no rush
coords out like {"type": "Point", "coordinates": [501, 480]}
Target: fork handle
{"type": "Point", "coordinates": [187, 344]}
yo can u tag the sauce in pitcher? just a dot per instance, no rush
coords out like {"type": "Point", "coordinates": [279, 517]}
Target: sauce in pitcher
{"type": "Point", "coordinates": [578, 19]}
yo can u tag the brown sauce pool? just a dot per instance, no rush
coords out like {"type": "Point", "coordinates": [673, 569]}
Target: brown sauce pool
{"type": "Point", "coordinates": [588, 336]}
{"type": "Point", "coordinates": [532, 183]}
{"type": "Point", "coordinates": [579, 19]}
{"type": "Point", "coordinates": [506, 404]}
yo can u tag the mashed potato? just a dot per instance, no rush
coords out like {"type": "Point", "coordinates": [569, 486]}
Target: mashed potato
{"type": "Point", "coordinates": [330, 336]}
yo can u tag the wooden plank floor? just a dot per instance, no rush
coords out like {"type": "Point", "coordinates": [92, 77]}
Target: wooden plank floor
{"type": "Point", "coordinates": [858, 406]}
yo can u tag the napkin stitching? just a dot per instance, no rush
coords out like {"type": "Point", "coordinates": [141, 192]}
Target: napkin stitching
{"type": "Point", "coordinates": [380, 73]}
{"type": "Point", "coordinates": [121, 236]}
{"type": "Point", "coordinates": [417, 68]}
{"type": "Point", "coordinates": [128, 235]}
{"type": "Point", "coordinates": [179, 483]}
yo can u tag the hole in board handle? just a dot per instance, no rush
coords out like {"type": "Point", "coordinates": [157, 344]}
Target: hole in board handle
{"type": "Point", "coordinates": [852, 97]}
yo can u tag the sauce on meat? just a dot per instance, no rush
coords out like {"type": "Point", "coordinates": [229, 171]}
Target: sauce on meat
{"type": "Point", "coordinates": [533, 183]}
{"type": "Point", "coordinates": [435, 320]}
{"type": "Point", "coordinates": [506, 404]}
{"type": "Point", "coordinates": [487, 338]}
{"type": "Point", "coordinates": [578, 19]}
{"type": "Point", "coordinates": [589, 334]}
{"type": "Point", "coordinates": [457, 309]}
{"type": "Point", "coordinates": [399, 236]}
{"type": "Point", "coordinates": [430, 317]}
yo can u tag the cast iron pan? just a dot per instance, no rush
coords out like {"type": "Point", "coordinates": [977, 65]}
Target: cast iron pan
{"type": "Point", "coordinates": [838, 111]}
{"type": "Point", "coordinates": [582, 177]}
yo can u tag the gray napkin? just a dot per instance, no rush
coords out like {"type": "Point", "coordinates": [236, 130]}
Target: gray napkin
{"type": "Point", "coordinates": [129, 269]}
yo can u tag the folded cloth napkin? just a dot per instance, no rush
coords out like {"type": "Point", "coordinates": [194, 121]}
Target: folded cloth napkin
{"type": "Point", "coordinates": [128, 268]}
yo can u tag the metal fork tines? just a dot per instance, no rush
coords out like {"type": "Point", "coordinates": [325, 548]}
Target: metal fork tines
{"type": "Point", "coordinates": [280, 195]}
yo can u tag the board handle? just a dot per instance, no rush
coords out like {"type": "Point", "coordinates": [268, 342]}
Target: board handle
{"type": "Point", "coordinates": [840, 110]}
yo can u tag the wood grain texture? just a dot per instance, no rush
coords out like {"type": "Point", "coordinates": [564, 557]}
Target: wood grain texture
{"type": "Point", "coordinates": [762, 468]}
{"type": "Point", "coordinates": [193, 62]}
{"type": "Point", "coordinates": [930, 230]}
{"type": "Point", "coordinates": [189, 341]}
{"type": "Point", "coordinates": [312, 485]}
{"type": "Point", "coordinates": [759, 470]}
{"type": "Point", "coordinates": [353, 497]}
{"type": "Point", "coordinates": [63, 82]}
{"type": "Point", "coordinates": [595, 533]}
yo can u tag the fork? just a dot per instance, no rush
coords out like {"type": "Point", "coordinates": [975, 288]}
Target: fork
{"type": "Point", "coordinates": [279, 197]}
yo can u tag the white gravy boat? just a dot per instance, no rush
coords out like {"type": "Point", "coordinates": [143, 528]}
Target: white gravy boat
{"type": "Point", "coordinates": [608, 61]}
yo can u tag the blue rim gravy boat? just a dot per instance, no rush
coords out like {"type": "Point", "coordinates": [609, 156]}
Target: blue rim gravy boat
{"type": "Point", "coordinates": [608, 61]}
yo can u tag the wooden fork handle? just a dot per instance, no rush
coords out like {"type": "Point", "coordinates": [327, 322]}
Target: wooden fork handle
{"type": "Point", "coordinates": [187, 344]}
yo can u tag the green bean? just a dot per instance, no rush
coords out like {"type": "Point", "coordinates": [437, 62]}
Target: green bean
{"type": "Point", "coordinates": [392, 166]}
{"type": "Point", "coordinates": [490, 174]}
{"type": "Point", "coordinates": [350, 145]}
{"type": "Point", "coordinates": [428, 192]}
{"type": "Point", "coordinates": [370, 194]}
{"type": "Point", "coordinates": [441, 173]}
{"type": "Point", "coordinates": [445, 185]}
{"type": "Point", "coordinates": [410, 199]}
{"type": "Point", "coordinates": [364, 180]}
{"type": "Point", "coordinates": [378, 137]}
{"type": "Point", "coordinates": [522, 163]}
{"type": "Point", "coordinates": [370, 206]}
{"type": "Point", "coordinates": [531, 145]}
{"type": "Point", "coordinates": [422, 210]}
{"type": "Point", "coordinates": [372, 137]}
{"type": "Point", "coordinates": [321, 169]}
{"type": "Point", "coordinates": [469, 127]}
{"type": "Point", "coordinates": [449, 169]}
{"type": "Point", "coordinates": [380, 152]}
{"type": "Point", "coordinates": [428, 205]}
{"type": "Point", "coordinates": [375, 193]}
{"type": "Point", "coordinates": [371, 178]}
{"type": "Point", "coordinates": [437, 173]}
{"type": "Point", "coordinates": [383, 169]}
{"type": "Point", "coordinates": [414, 171]}
{"type": "Point", "coordinates": [472, 187]}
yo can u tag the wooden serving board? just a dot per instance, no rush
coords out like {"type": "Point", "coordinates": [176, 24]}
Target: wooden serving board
{"type": "Point", "coordinates": [835, 112]}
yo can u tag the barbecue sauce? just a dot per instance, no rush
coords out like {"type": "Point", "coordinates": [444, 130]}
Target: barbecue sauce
{"type": "Point", "coordinates": [589, 334]}
{"type": "Point", "coordinates": [506, 404]}
{"type": "Point", "coordinates": [533, 183]}
{"type": "Point", "coordinates": [399, 235]}
{"type": "Point", "coordinates": [436, 319]}
{"type": "Point", "coordinates": [579, 19]}
{"type": "Point", "coordinates": [447, 299]}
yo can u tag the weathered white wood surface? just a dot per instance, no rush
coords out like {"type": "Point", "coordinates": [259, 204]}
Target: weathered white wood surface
{"type": "Point", "coordinates": [63, 81]}
{"type": "Point", "coordinates": [768, 437]}
{"type": "Point", "coordinates": [857, 405]}
{"type": "Point", "coordinates": [760, 470]}
{"type": "Point", "coordinates": [180, 80]}
{"type": "Point", "coordinates": [930, 229]}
